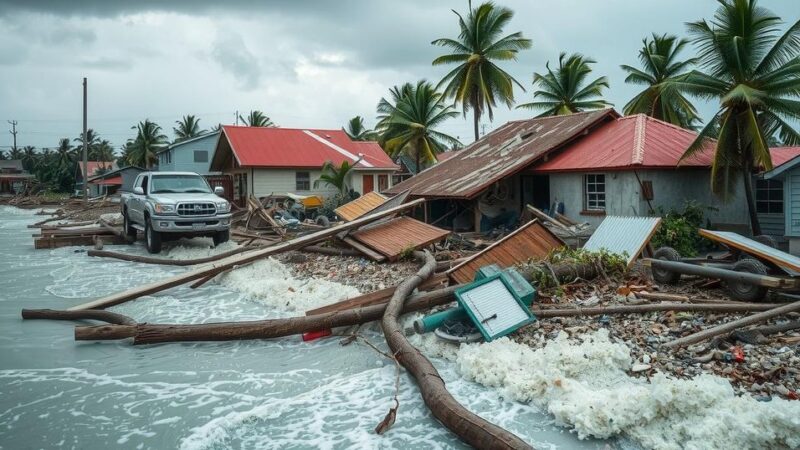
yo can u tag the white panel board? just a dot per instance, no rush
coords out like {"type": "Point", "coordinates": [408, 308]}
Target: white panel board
{"type": "Point", "coordinates": [494, 307]}
{"type": "Point", "coordinates": [619, 235]}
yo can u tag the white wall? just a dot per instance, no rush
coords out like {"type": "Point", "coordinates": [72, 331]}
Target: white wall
{"type": "Point", "coordinates": [281, 181]}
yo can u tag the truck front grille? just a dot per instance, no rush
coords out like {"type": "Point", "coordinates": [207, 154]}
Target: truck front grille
{"type": "Point", "coordinates": [196, 209]}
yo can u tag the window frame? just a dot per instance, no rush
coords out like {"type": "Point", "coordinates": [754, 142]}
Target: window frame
{"type": "Point", "coordinates": [773, 191]}
{"type": "Point", "coordinates": [594, 181]}
{"type": "Point", "coordinates": [297, 181]}
{"type": "Point", "coordinates": [205, 152]}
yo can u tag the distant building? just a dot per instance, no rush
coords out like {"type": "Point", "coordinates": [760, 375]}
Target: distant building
{"type": "Point", "coordinates": [13, 178]}
{"type": "Point", "coordinates": [266, 160]}
{"type": "Point", "coordinates": [94, 168]}
{"type": "Point", "coordinates": [116, 180]}
{"type": "Point", "coordinates": [191, 155]}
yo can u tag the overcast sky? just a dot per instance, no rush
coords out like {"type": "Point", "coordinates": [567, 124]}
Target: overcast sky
{"type": "Point", "coordinates": [308, 64]}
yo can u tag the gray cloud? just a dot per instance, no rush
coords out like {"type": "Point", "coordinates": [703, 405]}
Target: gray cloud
{"type": "Point", "coordinates": [232, 55]}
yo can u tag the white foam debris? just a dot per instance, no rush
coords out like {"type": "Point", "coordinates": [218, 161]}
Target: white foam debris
{"type": "Point", "coordinates": [196, 248]}
{"type": "Point", "coordinates": [271, 282]}
{"type": "Point", "coordinates": [585, 385]}
{"type": "Point", "coordinates": [112, 218]}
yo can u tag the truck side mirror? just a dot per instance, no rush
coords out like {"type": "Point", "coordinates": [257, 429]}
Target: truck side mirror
{"type": "Point", "coordinates": [138, 190]}
{"type": "Point", "coordinates": [219, 190]}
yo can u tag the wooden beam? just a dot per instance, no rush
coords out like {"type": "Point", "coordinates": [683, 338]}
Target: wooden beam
{"type": "Point", "coordinates": [370, 253]}
{"type": "Point", "coordinates": [238, 260]}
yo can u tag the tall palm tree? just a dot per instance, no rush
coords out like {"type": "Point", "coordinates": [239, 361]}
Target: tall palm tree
{"type": "Point", "coordinates": [566, 90]}
{"type": "Point", "coordinates": [660, 64]}
{"type": "Point", "coordinates": [149, 139]}
{"type": "Point", "coordinates": [103, 151]}
{"type": "Point", "coordinates": [408, 122]}
{"type": "Point", "coordinates": [188, 127]}
{"type": "Point", "coordinates": [256, 118]}
{"type": "Point", "coordinates": [15, 153]}
{"type": "Point", "coordinates": [358, 131]}
{"type": "Point", "coordinates": [335, 176]}
{"type": "Point", "coordinates": [29, 157]}
{"type": "Point", "coordinates": [754, 72]}
{"type": "Point", "coordinates": [478, 83]}
{"type": "Point", "coordinates": [65, 154]}
{"type": "Point", "coordinates": [92, 139]}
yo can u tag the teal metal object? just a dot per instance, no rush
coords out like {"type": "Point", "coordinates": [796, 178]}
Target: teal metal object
{"type": "Point", "coordinates": [519, 285]}
{"type": "Point", "coordinates": [494, 307]}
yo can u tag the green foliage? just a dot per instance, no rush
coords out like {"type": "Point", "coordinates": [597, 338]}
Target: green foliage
{"type": "Point", "coordinates": [357, 131]}
{"type": "Point", "coordinates": [679, 229]}
{"type": "Point", "coordinates": [334, 201]}
{"type": "Point", "coordinates": [141, 151]}
{"type": "Point", "coordinates": [257, 118]}
{"type": "Point", "coordinates": [188, 127]}
{"type": "Point", "coordinates": [565, 90]}
{"type": "Point", "coordinates": [612, 265]}
{"type": "Point", "coordinates": [335, 176]}
{"type": "Point", "coordinates": [407, 253]}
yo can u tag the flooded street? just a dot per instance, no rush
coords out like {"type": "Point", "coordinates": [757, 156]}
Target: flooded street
{"type": "Point", "coordinates": [55, 392]}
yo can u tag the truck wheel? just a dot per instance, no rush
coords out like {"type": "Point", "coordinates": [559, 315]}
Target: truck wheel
{"type": "Point", "coordinates": [152, 237]}
{"type": "Point", "coordinates": [662, 275]}
{"type": "Point", "coordinates": [747, 292]}
{"type": "Point", "coordinates": [323, 221]}
{"type": "Point", "coordinates": [130, 232]}
{"type": "Point", "coordinates": [221, 237]}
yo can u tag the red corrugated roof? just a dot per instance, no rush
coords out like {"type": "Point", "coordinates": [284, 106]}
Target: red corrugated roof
{"type": "Point", "coordinates": [636, 141]}
{"type": "Point", "coordinates": [113, 181]}
{"type": "Point", "coordinates": [93, 166]}
{"type": "Point", "coordinates": [782, 155]}
{"type": "Point", "coordinates": [296, 148]}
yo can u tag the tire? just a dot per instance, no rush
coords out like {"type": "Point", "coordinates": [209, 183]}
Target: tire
{"type": "Point", "coordinates": [769, 241]}
{"type": "Point", "coordinates": [323, 221]}
{"type": "Point", "coordinates": [130, 232]}
{"type": "Point", "coordinates": [220, 237]}
{"type": "Point", "coordinates": [744, 291]}
{"type": "Point", "coordinates": [152, 238]}
{"type": "Point", "coordinates": [662, 275]}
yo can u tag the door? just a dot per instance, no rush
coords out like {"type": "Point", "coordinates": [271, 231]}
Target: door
{"type": "Point", "coordinates": [383, 182]}
{"type": "Point", "coordinates": [368, 184]}
{"type": "Point", "coordinates": [535, 191]}
{"type": "Point", "coordinates": [240, 189]}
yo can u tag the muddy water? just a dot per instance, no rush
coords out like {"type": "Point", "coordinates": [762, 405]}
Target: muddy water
{"type": "Point", "coordinates": [58, 393]}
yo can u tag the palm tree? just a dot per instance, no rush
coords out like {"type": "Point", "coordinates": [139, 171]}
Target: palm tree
{"type": "Point", "coordinates": [409, 124]}
{"type": "Point", "coordinates": [92, 139]}
{"type": "Point", "coordinates": [478, 83]}
{"type": "Point", "coordinates": [149, 139]}
{"type": "Point", "coordinates": [754, 72]}
{"type": "Point", "coordinates": [29, 157]}
{"type": "Point", "coordinates": [357, 131]}
{"type": "Point", "coordinates": [188, 127]}
{"type": "Point", "coordinates": [103, 151]}
{"type": "Point", "coordinates": [660, 64]}
{"type": "Point", "coordinates": [15, 153]}
{"type": "Point", "coordinates": [565, 91]}
{"type": "Point", "coordinates": [256, 118]}
{"type": "Point", "coordinates": [335, 176]}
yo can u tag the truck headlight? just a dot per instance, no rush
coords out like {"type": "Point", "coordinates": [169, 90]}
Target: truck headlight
{"type": "Point", "coordinates": [223, 206]}
{"type": "Point", "coordinates": [162, 208]}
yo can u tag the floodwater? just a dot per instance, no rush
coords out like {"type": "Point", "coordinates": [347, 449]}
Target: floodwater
{"type": "Point", "coordinates": [284, 393]}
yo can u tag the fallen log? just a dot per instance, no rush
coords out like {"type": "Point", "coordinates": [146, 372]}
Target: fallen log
{"type": "Point", "coordinates": [470, 427]}
{"type": "Point", "coordinates": [239, 260]}
{"type": "Point", "coordinates": [543, 313]}
{"type": "Point", "coordinates": [733, 325]}
{"type": "Point", "coordinates": [167, 261]}
{"type": "Point", "coordinates": [330, 251]}
{"type": "Point", "coordinates": [90, 314]}
{"type": "Point", "coordinates": [260, 329]}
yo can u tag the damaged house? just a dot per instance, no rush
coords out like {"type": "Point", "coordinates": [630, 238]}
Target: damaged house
{"type": "Point", "coordinates": [586, 166]}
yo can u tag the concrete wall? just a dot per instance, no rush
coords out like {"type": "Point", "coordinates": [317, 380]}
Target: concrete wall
{"type": "Point", "coordinates": [180, 157]}
{"type": "Point", "coordinates": [671, 189]}
{"type": "Point", "coordinates": [280, 181]}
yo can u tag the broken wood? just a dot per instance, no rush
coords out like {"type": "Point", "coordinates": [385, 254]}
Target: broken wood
{"type": "Point", "coordinates": [733, 325]}
{"type": "Point", "coordinates": [90, 314]}
{"type": "Point", "coordinates": [471, 428]}
{"type": "Point", "coordinates": [539, 214]}
{"type": "Point", "coordinates": [648, 308]}
{"type": "Point", "coordinates": [335, 251]}
{"type": "Point", "coordinates": [262, 329]}
{"type": "Point", "coordinates": [368, 252]}
{"type": "Point", "coordinates": [661, 296]}
{"type": "Point", "coordinates": [238, 260]}
{"type": "Point", "coordinates": [167, 261]}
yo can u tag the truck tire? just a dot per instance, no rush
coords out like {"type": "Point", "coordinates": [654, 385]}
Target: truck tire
{"type": "Point", "coordinates": [152, 237]}
{"type": "Point", "coordinates": [323, 221]}
{"type": "Point", "coordinates": [746, 292]}
{"type": "Point", "coordinates": [662, 275]}
{"type": "Point", "coordinates": [130, 232]}
{"type": "Point", "coordinates": [221, 237]}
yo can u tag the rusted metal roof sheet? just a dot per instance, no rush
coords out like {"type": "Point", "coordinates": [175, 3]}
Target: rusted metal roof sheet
{"type": "Point", "coordinates": [503, 152]}
{"type": "Point", "coordinates": [787, 262]}
{"type": "Point", "coordinates": [360, 206]}
{"type": "Point", "coordinates": [530, 241]}
{"type": "Point", "coordinates": [396, 236]}
{"type": "Point", "coordinates": [620, 235]}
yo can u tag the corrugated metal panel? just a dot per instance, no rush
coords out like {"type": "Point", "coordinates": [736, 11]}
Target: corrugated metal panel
{"type": "Point", "coordinates": [631, 141]}
{"type": "Point", "coordinates": [503, 152]}
{"type": "Point", "coordinates": [784, 260]}
{"type": "Point", "coordinates": [494, 309]}
{"type": "Point", "coordinates": [782, 155]}
{"type": "Point", "coordinates": [396, 236]}
{"type": "Point", "coordinates": [297, 148]}
{"type": "Point", "coordinates": [360, 206]}
{"type": "Point", "coordinates": [530, 241]}
{"type": "Point", "coordinates": [621, 235]}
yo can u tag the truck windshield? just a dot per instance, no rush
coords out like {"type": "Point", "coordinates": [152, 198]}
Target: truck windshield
{"type": "Point", "coordinates": [178, 184]}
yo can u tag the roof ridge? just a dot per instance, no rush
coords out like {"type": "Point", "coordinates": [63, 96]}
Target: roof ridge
{"type": "Point", "coordinates": [287, 128]}
{"type": "Point", "coordinates": [563, 116]}
{"type": "Point", "coordinates": [639, 133]}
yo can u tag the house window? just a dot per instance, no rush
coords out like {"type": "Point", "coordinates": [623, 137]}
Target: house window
{"type": "Point", "coordinates": [169, 156]}
{"type": "Point", "coordinates": [383, 182]}
{"type": "Point", "coordinates": [200, 156]}
{"type": "Point", "coordinates": [769, 196]}
{"type": "Point", "coordinates": [594, 192]}
{"type": "Point", "coordinates": [302, 181]}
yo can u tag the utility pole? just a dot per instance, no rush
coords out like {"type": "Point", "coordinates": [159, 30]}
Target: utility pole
{"type": "Point", "coordinates": [236, 116]}
{"type": "Point", "coordinates": [85, 151]}
{"type": "Point", "coordinates": [13, 132]}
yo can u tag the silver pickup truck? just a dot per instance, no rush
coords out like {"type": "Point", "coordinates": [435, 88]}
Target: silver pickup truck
{"type": "Point", "coordinates": [170, 205]}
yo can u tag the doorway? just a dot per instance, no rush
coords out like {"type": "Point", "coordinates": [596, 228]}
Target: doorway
{"type": "Point", "coordinates": [368, 184]}
{"type": "Point", "coordinates": [535, 191]}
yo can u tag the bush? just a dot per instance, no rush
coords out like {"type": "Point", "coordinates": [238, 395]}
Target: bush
{"type": "Point", "coordinates": [334, 201]}
{"type": "Point", "coordinates": [679, 229]}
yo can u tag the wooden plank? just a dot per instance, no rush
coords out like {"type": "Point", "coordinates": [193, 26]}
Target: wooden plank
{"type": "Point", "coordinates": [754, 248]}
{"type": "Point", "coordinates": [362, 205]}
{"type": "Point", "coordinates": [394, 237]}
{"type": "Point", "coordinates": [70, 241]}
{"type": "Point", "coordinates": [237, 260]}
{"type": "Point", "coordinates": [530, 241]}
{"type": "Point", "coordinates": [368, 252]}
{"type": "Point", "coordinates": [544, 217]}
